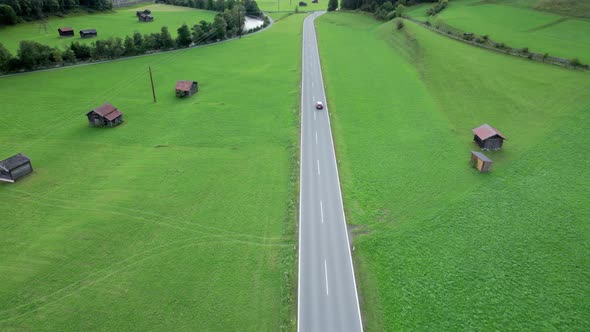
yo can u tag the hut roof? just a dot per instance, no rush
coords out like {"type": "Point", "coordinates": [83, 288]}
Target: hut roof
{"type": "Point", "coordinates": [481, 156]}
{"type": "Point", "coordinates": [88, 31]}
{"type": "Point", "coordinates": [184, 85]}
{"type": "Point", "coordinates": [486, 131]}
{"type": "Point", "coordinates": [107, 111]}
{"type": "Point", "coordinates": [65, 29]}
{"type": "Point", "coordinates": [14, 162]}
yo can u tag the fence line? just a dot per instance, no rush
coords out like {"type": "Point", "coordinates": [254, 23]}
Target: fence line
{"type": "Point", "coordinates": [490, 45]}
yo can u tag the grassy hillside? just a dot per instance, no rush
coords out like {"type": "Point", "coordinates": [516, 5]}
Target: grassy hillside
{"type": "Point", "coordinates": [289, 5]}
{"type": "Point", "coordinates": [119, 23]}
{"type": "Point", "coordinates": [440, 246]}
{"type": "Point", "coordinates": [519, 27]}
{"type": "Point", "coordinates": [179, 219]}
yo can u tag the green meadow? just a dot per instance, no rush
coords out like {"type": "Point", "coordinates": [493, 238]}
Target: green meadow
{"type": "Point", "coordinates": [289, 5]}
{"type": "Point", "coordinates": [519, 26]}
{"type": "Point", "coordinates": [119, 23]}
{"type": "Point", "coordinates": [181, 218]}
{"type": "Point", "coordinates": [439, 246]}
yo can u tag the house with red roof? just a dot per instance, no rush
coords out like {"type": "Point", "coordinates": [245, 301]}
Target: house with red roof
{"type": "Point", "coordinates": [186, 88]}
{"type": "Point", "coordinates": [488, 137]}
{"type": "Point", "coordinates": [106, 115]}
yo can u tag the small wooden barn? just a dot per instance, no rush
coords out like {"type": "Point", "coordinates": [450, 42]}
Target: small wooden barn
{"type": "Point", "coordinates": [145, 17]}
{"type": "Point", "coordinates": [15, 167]}
{"type": "Point", "coordinates": [488, 137]}
{"type": "Point", "coordinates": [186, 88]}
{"type": "Point", "coordinates": [65, 32]}
{"type": "Point", "coordinates": [145, 11]}
{"type": "Point", "coordinates": [88, 33]}
{"type": "Point", "coordinates": [106, 115]}
{"type": "Point", "coordinates": [481, 161]}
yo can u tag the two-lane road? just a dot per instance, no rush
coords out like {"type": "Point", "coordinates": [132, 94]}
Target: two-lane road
{"type": "Point", "coordinates": [328, 299]}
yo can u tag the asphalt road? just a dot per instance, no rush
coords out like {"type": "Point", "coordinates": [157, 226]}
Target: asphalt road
{"type": "Point", "coordinates": [328, 299]}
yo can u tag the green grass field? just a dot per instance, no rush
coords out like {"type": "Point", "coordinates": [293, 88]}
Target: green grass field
{"type": "Point", "coordinates": [289, 5]}
{"type": "Point", "coordinates": [182, 218]}
{"type": "Point", "coordinates": [519, 27]}
{"type": "Point", "coordinates": [439, 246]}
{"type": "Point", "coordinates": [119, 23]}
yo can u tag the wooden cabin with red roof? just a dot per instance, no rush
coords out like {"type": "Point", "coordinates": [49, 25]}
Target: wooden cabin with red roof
{"type": "Point", "coordinates": [106, 115]}
{"type": "Point", "coordinates": [65, 32]}
{"type": "Point", "coordinates": [488, 137]}
{"type": "Point", "coordinates": [186, 88]}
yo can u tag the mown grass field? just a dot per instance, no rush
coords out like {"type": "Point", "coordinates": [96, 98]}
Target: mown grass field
{"type": "Point", "coordinates": [438, 245]}
{"type": "Point", "coordinates": [119, 23]}
{"type": "Point", "coordinates": [182, 218]}
{"type": "Point", "coordinates": [289, 5]}
{"type": "Point", "coordinates": [519, 27]}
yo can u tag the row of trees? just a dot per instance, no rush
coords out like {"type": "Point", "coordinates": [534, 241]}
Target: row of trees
{"type": "Point", "coordinates": [250, 6]}
{"type": "Point", "coordinates": [15, 11]}
{"type": "Point", "coordinates": [373, 5]}
{"type": "Point", "coordinates": [32, 55]}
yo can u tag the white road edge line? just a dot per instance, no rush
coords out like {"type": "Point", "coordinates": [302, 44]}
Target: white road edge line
{"type": "Point", "coordinates": [341, 201]}
{"type": "Point", "coordinates": [322, 211]}
{"type": "Point", "coordinates": [300, 179]}
{"type": "Point", "coordinates": [326, 272]}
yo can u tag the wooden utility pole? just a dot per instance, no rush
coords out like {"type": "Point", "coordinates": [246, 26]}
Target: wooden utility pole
{"type": "Point", "coordinates": [152, 80]}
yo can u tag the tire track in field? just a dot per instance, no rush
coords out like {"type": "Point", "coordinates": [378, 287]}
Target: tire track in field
{"type": "Point", "coordinates": [127, 265]}
{"type": "Point", "coordinates": [48, 202]}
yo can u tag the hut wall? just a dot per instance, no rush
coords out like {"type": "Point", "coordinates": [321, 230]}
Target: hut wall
{"type": "Point", "coordinates": [21, 171]}
{"type": "Point", "coordinates": [478, 142]}
{"type": "Point", "coordinates": [493, 143]}
{"type": "Point", "coordinates": [194, 89]}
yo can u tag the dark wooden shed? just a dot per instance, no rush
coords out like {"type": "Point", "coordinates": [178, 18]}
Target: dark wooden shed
{"type": "Point", "coordinates": [15, 167]}
{"type": "Point", "coordinates": [145, 11]}
{"type": "Point", "coordinates": [88, 33]}
{"type": "Point", "coordinates": [145, 17]}
{"type": "Point", "coordinates": [106, 115]}
{"type": "Point", "coordinates": [488, 137]}
{"type": "Point", "coordinates": [65, 32]}
{"type": "Point", "coordinates": [481, 161]}
{"type": "Point", "coordinates": [186, 88]}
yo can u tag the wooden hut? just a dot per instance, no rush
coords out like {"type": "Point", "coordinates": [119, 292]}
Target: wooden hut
{"type": "Point", "coordinates": [481, 161]}
{"type": "Point", "coordinates": [186, 88]}
{"type": "Point", "coordinates": [488, 137]}
{"type": "Point", "coordinates": [88, 33]}
{"type": "Point", "coordinates": [104, 116]}
{"type": "Point", "coordinates": [145, 17]}
{"type": "Point", "coordinates": [65, 32]}
{"type": "Point", "coordinates": [145, 11]}
{"type": "Point", "coordinates": [15, 167]}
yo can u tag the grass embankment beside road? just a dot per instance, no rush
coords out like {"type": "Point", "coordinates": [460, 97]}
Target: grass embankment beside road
{"type": "Point", "coordinates": [119, 23]}
{"type": "Point", "coordinates": [182, 218]}
{"type": "Point", "coordinates": [289, 5]}
{"type": "Point", "coordinates": [517, 27]}
{"type": "Point", "coordinates": [440, 246]}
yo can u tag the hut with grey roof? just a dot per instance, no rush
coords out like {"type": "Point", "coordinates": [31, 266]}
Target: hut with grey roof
{"type": "Point", "coordinates": [186, 88]}
{"type": "Point", "coordinates": [488, 137]}
{"type": "Point", "coordinates": [15, 167]}
{"type": "Point", "coordinates": [481, 161]}
{"type": "Point", "coordinates": [106, 115]}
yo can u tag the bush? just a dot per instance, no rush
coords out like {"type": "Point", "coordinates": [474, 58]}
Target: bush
{"type": "Point", "coordinates": [7, 15]}
{"type": "Point", "coordinates": [575, 62]}
{"type": "Point", "coordinates": [399, 24]}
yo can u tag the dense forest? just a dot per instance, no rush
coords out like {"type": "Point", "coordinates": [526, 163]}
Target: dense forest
{"type": "Point", "coordinates": [15, 11]}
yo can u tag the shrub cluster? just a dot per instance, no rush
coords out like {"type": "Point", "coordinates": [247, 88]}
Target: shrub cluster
{"type": "Point", "coordinates": [32, 55]}
{"type": "Point", "coordinates": [441, 4]}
